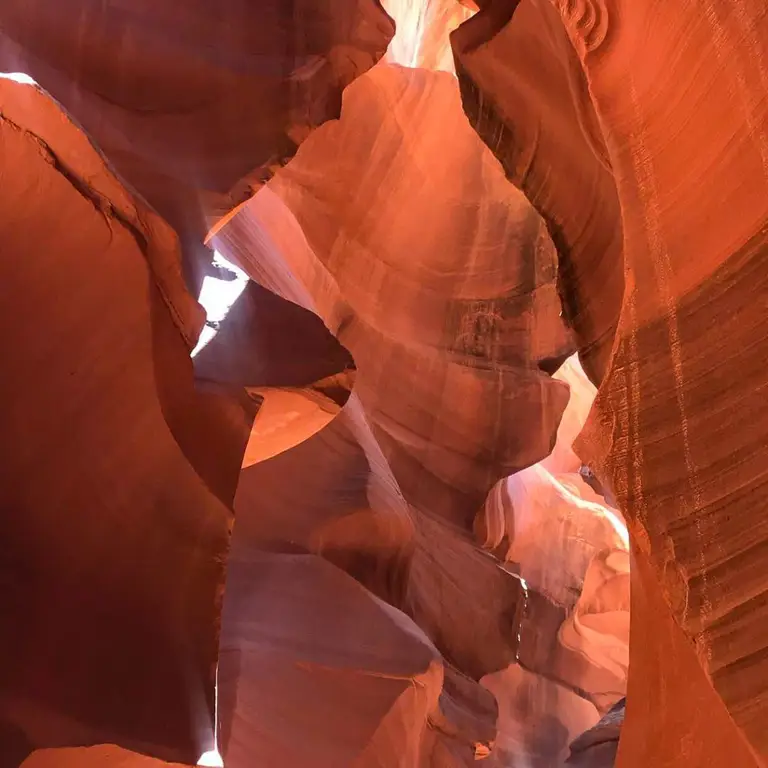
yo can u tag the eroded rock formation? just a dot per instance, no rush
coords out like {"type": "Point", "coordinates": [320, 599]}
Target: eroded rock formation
{"type": "Point", "coordinates": [683, 120]}
{"type": "Point", "coordinates": [188, 100]}
{"type": "Point", "coordinates": [115, 524]}
{"type": "Point", "coordinates": [103, 756]}
{"type": "Point", "coordinates": [526, 93]}
{"type": "Point", "coordinates": [349, 243]}
{"type": "Point", "coordinates": [117, 489]}
{"type": "Point", "coordinates": [422, 571]}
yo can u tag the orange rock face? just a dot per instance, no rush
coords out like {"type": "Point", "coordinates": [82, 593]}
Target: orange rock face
{"type": "Point", "coordinates": [116, 523]}
{"type": "Point", "coordinates": [118, 491]}
{"type": "Point", "coordinates": [494, 355]}
{"type": "Point", "coordinates": [678, 98]}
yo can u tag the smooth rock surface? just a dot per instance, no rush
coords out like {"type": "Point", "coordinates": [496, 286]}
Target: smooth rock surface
{"type": "Point", "coordinates": [390, 487]}
{"type": "Point", "coordinates": [679, 96]}
{"type": "Point", "coordinates": [102, 756]}
{"type": "Point", "coordinates": [407, 308]}
{"type": "Point", "coordinates": [291, 692]}
{"type": "Point", "coordinates": [524, 91]}
{"type": "Point", "coordinates": [597, 747]}
{"type": "Point", "coordinates": [117, 474]}
{"type": "Point", "coordinates": [187, 99]}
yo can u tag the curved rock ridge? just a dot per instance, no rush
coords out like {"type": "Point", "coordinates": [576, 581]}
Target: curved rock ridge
{"type": "Point", "coordinates": [188, 99]}
{"type": "Point", "coordinates": [524, 91]}
{"type": "Point", "coordinates": [678, 95]}
{"type": "Point", "coordinates": [459, 304]}
{"type": "Point", "coordinates": [681, 486]}
{"type": "Point", "coordinates": [436, 453]}
{"type": "Point", "coordinates": [423, 573]}
{"type": "Point", "coordinates": [287, 417]}
{"type": "Point", "coordinates": [101, 756]}
{"type": "Point", "coordinates": [454, 275]}
{"type": "Point", "coordinates": [314, 670]}
{"type": "Point", "coordinates": [538, 718]}
{"type": "Point", "coordinates": [176, 99]}
{"type": "Point", "coordinates": [117, 473]}
{"type": "Point", "coordinates": [133, 77]}
{"type": "Point", "coordinates": [347, 508]}
{"type": "Point", "coordinates": [598, 746]}
{"type": "Point", "coordinates": [196, 105]}
{"type": "Point", "coordinates": [597, 630]}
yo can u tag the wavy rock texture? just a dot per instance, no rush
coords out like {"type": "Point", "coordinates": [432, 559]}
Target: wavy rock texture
{"type": "Point", "coordinates": [373, 226]}
{"type": "Point", "coordinates": [464, 352]}
{"type": "Point", "coordinates": [571, 554]}
{"type": "Point", "coordinates": [571, 550]}
{"type": "Point", "coordinates": [115, 500]}
{"type": "Point", "coordinates": [196, 105]}
{"type": "Point", "coordinates": [405, 328]}
{"type": "Point", "coordinates": [538, 718]}
{"type": "Point", "coordinates": [596, 631]}
{"type": "Point", "coordinates": [176, 99]}
{"type": "Point", "coordinates": [422, 29]}
{"type": "Point", "coordinates": [679, 94]}
{"type": "Point", "coordinates": [412, 475]}
{"type": "Point", "coordinates": [525, 93]}
{"type": "Point", "coordinates": [307, 651]}
{"type": "Point", "coordinates": [391, 476]}
{"type": "Point", "coordinates": [286, 417]}
{"type": "Point", "coordinates": [703, 547]}
{"type": "Point", "coordinates": [188, 99]}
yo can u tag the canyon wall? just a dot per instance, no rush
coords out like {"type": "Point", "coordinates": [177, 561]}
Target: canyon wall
{"type": "Point", "coordinates": [381, 441]}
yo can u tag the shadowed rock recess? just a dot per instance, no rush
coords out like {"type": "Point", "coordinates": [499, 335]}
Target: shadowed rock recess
{"type": "Point", "coordinates": [385, 383]}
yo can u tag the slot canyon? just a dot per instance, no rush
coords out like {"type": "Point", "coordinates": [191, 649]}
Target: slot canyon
{"type": "Point", "coordinates": [394, 347]}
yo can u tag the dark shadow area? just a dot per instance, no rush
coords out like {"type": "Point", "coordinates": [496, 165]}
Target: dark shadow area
{"type": "Point", "coordinates": [266, 341]}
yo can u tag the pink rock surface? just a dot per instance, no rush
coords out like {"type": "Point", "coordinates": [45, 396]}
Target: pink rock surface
{"type": "Point", "coordinates": [525, 91]}
{"type": "Point", "coordinates": [538, 718]}
{"type": "Point", "coordinates": [314, 670]}
{"type": "Point", "coordinates": [185, 99]}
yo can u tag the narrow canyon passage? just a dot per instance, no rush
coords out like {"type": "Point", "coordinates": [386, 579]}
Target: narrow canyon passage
{"type": "Point", "coordinates": [305, 237]}
{"type": "Point", "coordinates": [453, 380]}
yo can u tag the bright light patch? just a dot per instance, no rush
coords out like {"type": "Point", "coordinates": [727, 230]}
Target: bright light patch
{"type": "Point", "coordinates": [18, 77]}
{"type": "Point", "coordinates": [217, 297]}
{"type": "Point", "coordinates": [422, 29]}
{"type": "Point", "coordinates": [601, 510]}
{"type": "Point", "coordinates": [212, 759]}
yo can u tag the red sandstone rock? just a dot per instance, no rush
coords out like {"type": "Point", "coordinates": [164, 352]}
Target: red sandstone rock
{"type": "Point", "coordinates": [334, 512]}
{"type": "Point", "coordinates": [596, 748]}
{"type": "Point", "coordinates": [460, 724]}
{"type": "Point", "coordinates": [538, 718]}
{"type": "Point", "coordinates": [177, 101]}
{"type": "Point", "coordinates": [422, 29]}
{"type": "Point", "coordinates": [524, 91]}
{"type": "Point", "coordinates": [559, 536]}
{"type": "Point", "coordinates": [117, 474]}
{"type": "Point", "coordinates": [636, 133]}
{"type": "Point", "coordinates": [678, 98]}
{"type": "Point", "coordinates": [187, 99]}
{"type": "Point", "coordinates": [102, 756]}
{"type": "Point", "coordinates": [194, 105]}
